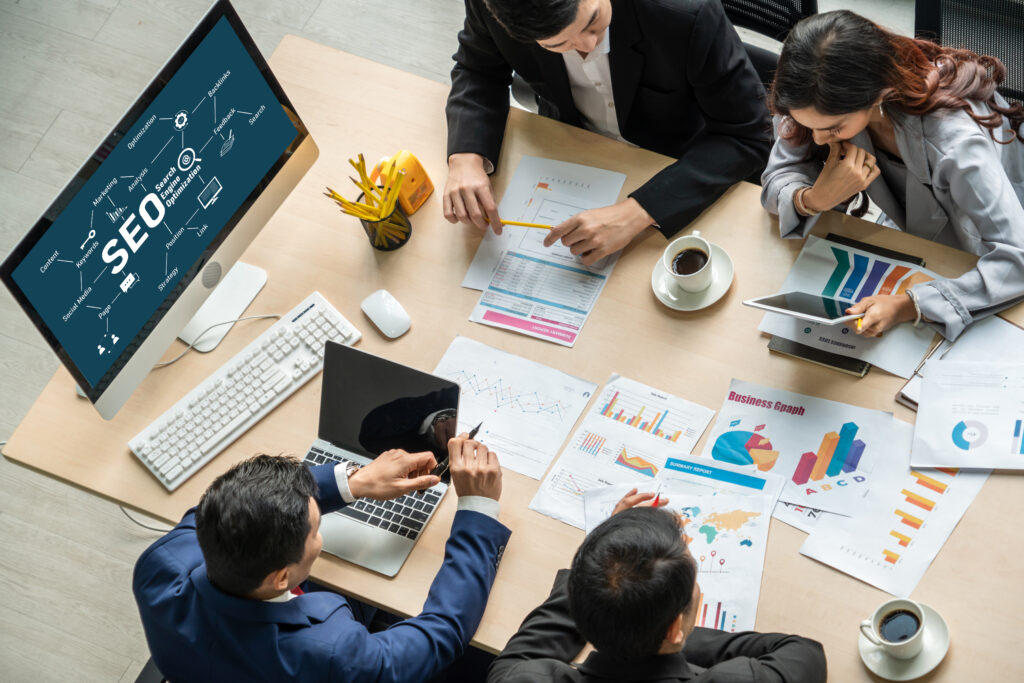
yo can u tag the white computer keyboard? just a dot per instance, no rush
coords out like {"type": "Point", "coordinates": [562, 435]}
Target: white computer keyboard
{"type": "Point", "coordinates": [237, 396]}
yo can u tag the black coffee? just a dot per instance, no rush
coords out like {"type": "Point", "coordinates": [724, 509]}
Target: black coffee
{"type": "Point", "coordinates": [899, 626]}
{"type": "Point", "coordinates": [689, 261]}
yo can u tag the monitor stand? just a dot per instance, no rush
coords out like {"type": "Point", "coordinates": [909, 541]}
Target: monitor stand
{"type": "Point", "coordinates": [227, 302]}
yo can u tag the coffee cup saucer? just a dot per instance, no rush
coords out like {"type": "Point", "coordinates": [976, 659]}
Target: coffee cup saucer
{"type": "Point", "coordinates": [673, 297]}
{"type": "Point", "coordinates": [936, 644]}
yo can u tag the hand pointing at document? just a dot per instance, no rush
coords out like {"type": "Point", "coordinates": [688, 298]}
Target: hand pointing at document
{"type": "Point", "coordinates": [596, 233]}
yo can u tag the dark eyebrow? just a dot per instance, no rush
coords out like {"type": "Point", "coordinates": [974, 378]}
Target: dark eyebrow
{"type": "Point", "coordinates": [593, 18]}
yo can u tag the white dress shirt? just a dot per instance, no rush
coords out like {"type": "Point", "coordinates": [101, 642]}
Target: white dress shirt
{"type": "Point", "coordinates": [590, 80]}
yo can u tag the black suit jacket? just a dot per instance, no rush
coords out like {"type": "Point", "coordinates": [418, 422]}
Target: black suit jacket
{"type": "Point", "coordinates": [548, 641]}
{"type": "Point", "coordinates": [682, 83]}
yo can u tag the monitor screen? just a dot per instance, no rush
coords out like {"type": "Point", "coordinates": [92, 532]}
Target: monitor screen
{"type": "Point", "coordinates": [131, 231]}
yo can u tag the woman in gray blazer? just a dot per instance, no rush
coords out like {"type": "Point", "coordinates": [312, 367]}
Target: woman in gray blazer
{"type": "Point", "coordinates": [921, 130]}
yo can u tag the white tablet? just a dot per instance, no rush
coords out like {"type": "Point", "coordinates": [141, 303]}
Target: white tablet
{"type": "Point", "coordinates": [811, 307]}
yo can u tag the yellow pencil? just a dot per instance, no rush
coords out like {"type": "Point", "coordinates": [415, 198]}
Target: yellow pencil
{"type": "Point", "coordinates": [859, 323]}
{"type": "Point", "coordinates": [528, 225]}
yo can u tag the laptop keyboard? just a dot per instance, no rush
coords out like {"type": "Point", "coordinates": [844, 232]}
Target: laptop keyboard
{"type": "Point", "coordinates": [404, 516]}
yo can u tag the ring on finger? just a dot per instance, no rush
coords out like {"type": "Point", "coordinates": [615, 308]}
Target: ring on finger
{"type": "Point", "coordinates": [870, 167]}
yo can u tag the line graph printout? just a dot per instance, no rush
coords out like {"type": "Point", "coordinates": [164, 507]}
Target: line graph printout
{"type": "Point", "coordinates": [902, 524]}
{"type": "Point", "coordinates": [841, 272]}
{"type": "Point", "coordinates": [548, 192]}
{"type": "Point", "coordinates": [726, 534]}
{"type": "Point", "coordinates": [527, 409]}
{"type": "Point", "coordinates": [825, 450]}
{"type": "Point", "coordinates": [970, 414]}
{"type": "Point", "coordinates": [606, 451]}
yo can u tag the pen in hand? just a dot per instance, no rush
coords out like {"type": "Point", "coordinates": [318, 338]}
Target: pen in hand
{"type": "Point", "coordinates": [443, 467]}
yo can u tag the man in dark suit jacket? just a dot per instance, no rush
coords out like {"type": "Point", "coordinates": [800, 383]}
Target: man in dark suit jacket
{"type": "Point", "coordinates": [632, 593]}
{"type": "Point", "coordinates": [668, 75]}
{"type": "Point", "coordinates": [224, 596]}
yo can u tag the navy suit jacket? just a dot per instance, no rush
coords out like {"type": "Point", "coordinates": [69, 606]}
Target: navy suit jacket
{"type": "Point", "coordinates": [197, 632]}
{"type": "Point", "coordinates": [682, 83]}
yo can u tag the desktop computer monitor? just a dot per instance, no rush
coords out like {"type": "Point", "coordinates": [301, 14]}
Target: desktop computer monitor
{"type": "Point", "coordinates": [118, 264]}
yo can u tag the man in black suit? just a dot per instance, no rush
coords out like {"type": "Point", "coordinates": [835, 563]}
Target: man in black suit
{"type": "Point", "coordinates": [632, 593]}
{"type": "Point", "coordinates": [668, 75]}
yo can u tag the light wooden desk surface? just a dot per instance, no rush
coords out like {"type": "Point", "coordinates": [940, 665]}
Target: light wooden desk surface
{"type": "Point", "coordinates": [352, 105]}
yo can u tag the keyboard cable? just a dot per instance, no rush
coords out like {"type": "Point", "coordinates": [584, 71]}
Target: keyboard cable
{"type": "Point", "coordinates": [188, 348]}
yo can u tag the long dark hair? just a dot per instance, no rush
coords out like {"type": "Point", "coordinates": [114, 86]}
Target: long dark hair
{"type": "Point", "coordinates": [839, 62]}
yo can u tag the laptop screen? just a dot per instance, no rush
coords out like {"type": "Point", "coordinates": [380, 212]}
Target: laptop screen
{"type": "Point", "coordinates": [369, 405]}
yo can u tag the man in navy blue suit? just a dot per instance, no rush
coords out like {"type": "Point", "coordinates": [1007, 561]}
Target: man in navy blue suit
{"type": "Point", "coordinates": [224, 596]}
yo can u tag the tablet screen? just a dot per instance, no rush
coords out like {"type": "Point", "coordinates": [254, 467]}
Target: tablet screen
{"type": "Point", "coordinates": [807, 304]}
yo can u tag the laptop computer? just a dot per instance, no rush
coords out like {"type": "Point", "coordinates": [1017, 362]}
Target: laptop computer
{"type": "Point", "coordinates": [369, 405]}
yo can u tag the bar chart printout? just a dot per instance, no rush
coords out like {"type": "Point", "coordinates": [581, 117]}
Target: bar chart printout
{"type": "Point", "coordinates": [607, 451]}
{"type": "Point", "coordinates": [842, 272]}
{"type": "Point", "coordinates": [826, 450]}
{"type": "Point", "coordinates": [726, 534]}
{"type": "Point", "coordinates": [905, 519]}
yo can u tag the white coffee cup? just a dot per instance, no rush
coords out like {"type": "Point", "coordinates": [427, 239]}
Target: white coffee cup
{"type": "Point", "coordinates": [880, 624]}
{"type": "Point", "coordinates": [698, 280]}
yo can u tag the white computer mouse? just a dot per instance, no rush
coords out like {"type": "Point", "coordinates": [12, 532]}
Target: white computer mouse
{"type": "Point", "coordinates": [386, 313]}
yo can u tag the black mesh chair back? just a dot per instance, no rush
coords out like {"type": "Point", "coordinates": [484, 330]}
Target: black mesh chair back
{"type": "Point", "coordinates": [772, 18]}
{"type": "Point", "coordinates": [988, 27]}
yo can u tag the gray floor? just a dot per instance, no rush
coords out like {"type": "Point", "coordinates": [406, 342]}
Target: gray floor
{"type": "Point", "coordinates": [68, 70]}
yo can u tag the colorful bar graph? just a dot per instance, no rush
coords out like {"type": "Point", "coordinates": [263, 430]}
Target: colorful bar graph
{"type": "Point", "coordinates": [1018, 447]}
{"type": "Point", "coordinates": [878, 269]}
{"type": "Point", "coordinates": [895, 276]}
{"type": "Point", "coordinates": [592, 443]}
{"type": "Point", "coordinates": [803, 470]}
{"type": "Point", "coordinates": [928, 482]}
{"type": "Point", "coordinates": [903, 539]}
{"type": "Point", "coordinates": [890, 556]}
{"type": "Point", "coordinates": [607, 410]}
{"type": "Point", "coordinates": [860, 269]}
{"type": "Point", "coordinates": [839, 274]}
{"type": "Point", "coordinates": [825, 451]}
{"type": "Point", "coordinates": [853, 459]}
{"type": "Point", "coordinates": [846, 434]}
{"type": "Point", "coordinates": [918, 500]}
{"type": "Point", "coordinates": [909, 519]}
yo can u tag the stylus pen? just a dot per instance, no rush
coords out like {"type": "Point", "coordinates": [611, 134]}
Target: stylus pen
{"type": "Point", "coordinates": [474, 430]}
{"type": "Point", "coordinates": [528, 225]}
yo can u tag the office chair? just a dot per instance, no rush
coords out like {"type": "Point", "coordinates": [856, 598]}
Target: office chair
{"type": "Point", "coordinates": [988, 27]}
{"type": "Point", "coordinates": [771, 18]}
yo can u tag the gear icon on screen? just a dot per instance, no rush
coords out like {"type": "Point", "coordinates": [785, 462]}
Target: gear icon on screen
{"type": "Point", "coordinates": [181, 120]}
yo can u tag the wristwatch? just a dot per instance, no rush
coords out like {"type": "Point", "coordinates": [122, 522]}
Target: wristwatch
{"type": "Point", "coordinates": [351, 468]}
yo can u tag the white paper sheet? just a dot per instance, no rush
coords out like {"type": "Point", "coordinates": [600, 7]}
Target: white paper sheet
{"type": "Point", "coordinates": [726, 534]}
{"type": "Point", "coordinates": [904, 521]}
{"type": "Point", "coordinates": [825, 450]}
{"type": "Point", "coordinates": [837, 271]}
{"type": "Point", "coordinates": [548, 192]}
{"type": "Point", "coordinates": [628, 436]}
{"type": "Point", "coordinates": [971, 414]}
{"type": "Point", "coordinates": [527, 409]}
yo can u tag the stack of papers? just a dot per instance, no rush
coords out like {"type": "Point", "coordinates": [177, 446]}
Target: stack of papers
{"type": "Point", "coordinates": [630, 436]}
{"type": "Point", "coordinates": [903, 522]}
{"type": "Point", "coordinates": [840, 272]}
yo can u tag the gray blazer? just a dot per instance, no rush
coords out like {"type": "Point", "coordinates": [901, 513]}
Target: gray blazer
{"type": "Point", "coordinates": [962, 189]}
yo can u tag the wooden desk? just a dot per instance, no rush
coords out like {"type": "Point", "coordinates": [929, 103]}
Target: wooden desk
{"type": "Point", "coordinates": [309, 245]}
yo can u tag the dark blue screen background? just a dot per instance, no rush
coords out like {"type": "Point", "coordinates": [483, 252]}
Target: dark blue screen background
{"type": "Point", "coordinates": [219, 106]}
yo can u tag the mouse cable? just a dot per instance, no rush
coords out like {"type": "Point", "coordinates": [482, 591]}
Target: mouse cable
{"type": "Point", "coordinates": [144, 526]}
{"type": "Point", "coordinates": [200, 335]}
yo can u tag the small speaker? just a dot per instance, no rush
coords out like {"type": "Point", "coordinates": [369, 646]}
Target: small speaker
{"type": "Point", "coordinates": [211, 275]}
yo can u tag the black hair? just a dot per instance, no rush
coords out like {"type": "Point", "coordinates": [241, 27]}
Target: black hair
{"type": "Point", "coordinates": [630, 579]}
{"type": "Point", "coordinates": [531, 20]}
{"type": "Point", "coordinates": [254, 520]}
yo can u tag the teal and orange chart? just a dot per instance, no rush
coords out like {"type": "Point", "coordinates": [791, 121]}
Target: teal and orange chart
{"type": "Point", "coordinates": [742, 447]}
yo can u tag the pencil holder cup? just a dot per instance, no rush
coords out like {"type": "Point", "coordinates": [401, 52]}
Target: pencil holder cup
{"type": "Point", "coordinates": [390, 232]}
